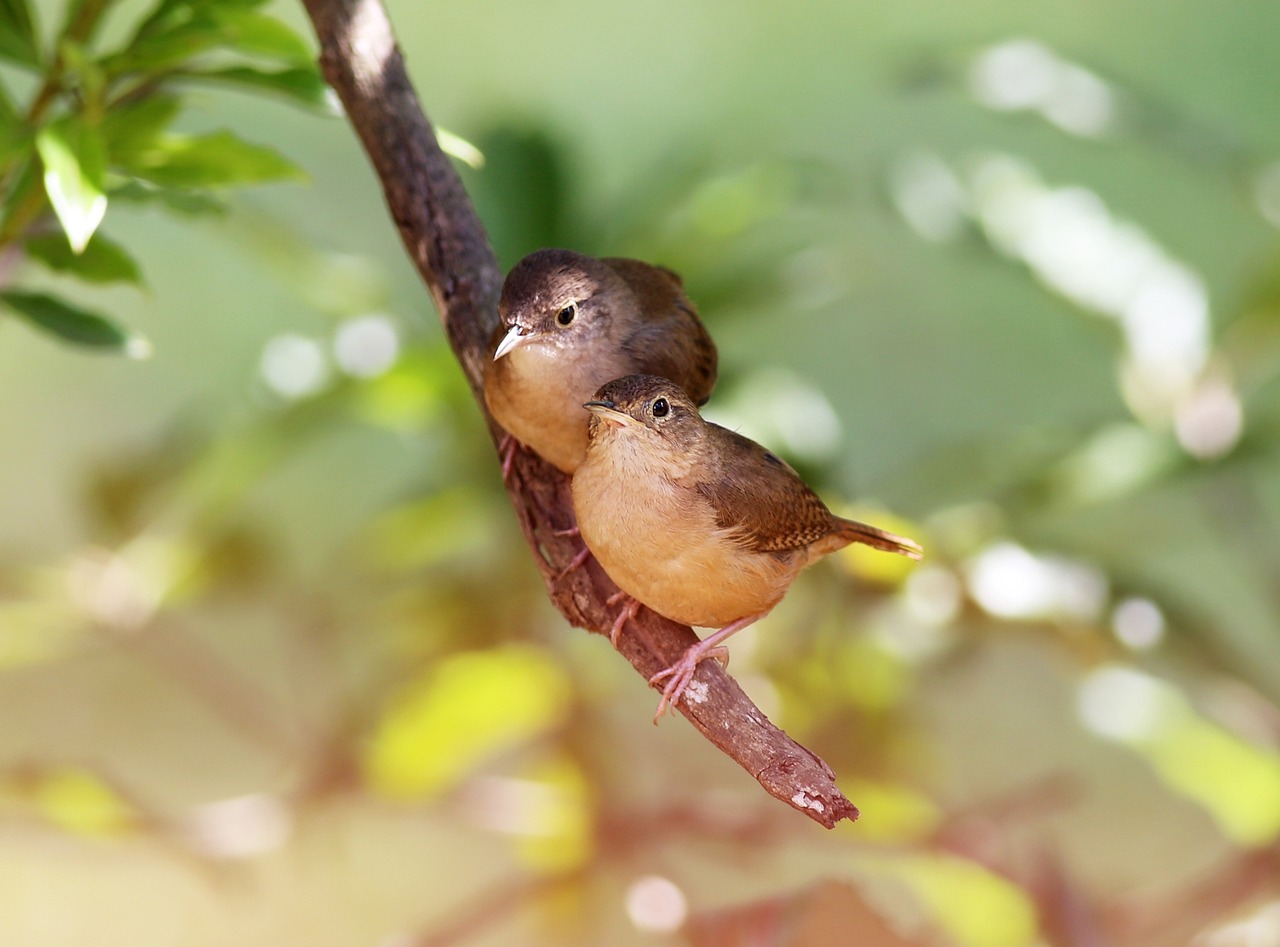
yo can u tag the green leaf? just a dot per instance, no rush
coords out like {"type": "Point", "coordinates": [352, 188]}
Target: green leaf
{"type": "Point", "coordinates": [165, 50]}
{"type": "Point", "coordinates": [455, 146]}
{"type": "Point", "coordinates": [257, 34]}
{"type": "Point", "coordinates": [216, 160]}
{"type": "Point", "coordinates": [74, 162]}
{"type": "Point", "coordinates": [103, 260]}
{"type": "Point", "coordinates": [166, 15]}
{"type": "Point", "coordinates": [187, 203]}
{"type": "Point", "coordinates": [81, 71]}
{"type": "Point", "coordinates": [129, 129]}
{"type": "Point", "coordinates": [303, 84]}
{"type": "Point", "coordinates": [170, 13]}
{"type": "Point", "coordinates": [73, 324]}
{"type": "Point", "coordinates": [18, 40]}
{"type": "Point", "coordinates": [160, 18]}
{"type": "Point", "coordinates": [187, 30]}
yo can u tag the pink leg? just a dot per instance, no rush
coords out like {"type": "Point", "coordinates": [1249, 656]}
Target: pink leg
{"type": "Point", "coordinates": [681, 673]}
{"type": "Point", "coordinates": [583, 555]}
{"type": "Point", "coordinates": [628, 612]}
{"type": "Point", "coordinates": [507, 448]}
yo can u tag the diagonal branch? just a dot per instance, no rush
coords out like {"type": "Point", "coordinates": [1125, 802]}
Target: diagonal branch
{"type": "Point", "coordinates": [447, 243]}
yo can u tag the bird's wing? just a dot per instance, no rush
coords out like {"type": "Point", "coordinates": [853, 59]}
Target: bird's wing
{"type": "Point", "coordinates": [672, 342]}
{"type": "Point", "coordinates": [758, 496]}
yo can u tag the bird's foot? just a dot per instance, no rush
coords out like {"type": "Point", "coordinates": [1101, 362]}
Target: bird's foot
{"type": "Point", "coordinates": [628, 612]}
{"type": "Point", "coordinates": [680, 675]}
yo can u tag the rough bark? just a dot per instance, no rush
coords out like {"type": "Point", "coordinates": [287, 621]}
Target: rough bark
{"type": "Point", "coordinates": [445, 240]}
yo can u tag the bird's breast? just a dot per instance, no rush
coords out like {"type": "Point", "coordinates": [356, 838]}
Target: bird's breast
{"type": "Point", "coordinates": [659, 542]}
{"type": "Point", "coordinates": [536, 392]}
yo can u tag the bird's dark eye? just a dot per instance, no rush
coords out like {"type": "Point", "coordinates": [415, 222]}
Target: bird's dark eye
{"type": "Point", "coordinates": [567, 314]}
{"type": "Point", "coordinates": [660, 408]}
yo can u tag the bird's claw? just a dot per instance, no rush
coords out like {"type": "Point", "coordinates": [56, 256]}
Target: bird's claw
{"type": "Point", "coordinates": [583, 555]}
{"type": "Point", "coordinates": [628, 612]}
{"type": "Point", "coordinates": [681, 675]}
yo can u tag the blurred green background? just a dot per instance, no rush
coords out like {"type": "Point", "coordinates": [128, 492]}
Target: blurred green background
{"type": "Point", "coordinates": [276, 666]}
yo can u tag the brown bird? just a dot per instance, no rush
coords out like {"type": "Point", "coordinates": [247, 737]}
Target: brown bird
{"type": "Point", "coordinates": [699, 523]}
{"type": "Point", "coordinates": [570, 323]}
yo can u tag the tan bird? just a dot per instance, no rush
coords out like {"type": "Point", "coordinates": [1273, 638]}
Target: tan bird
{"type": "Point", "coordinates": [701, 524]}
{"type": "Point", "coordinates": [570, 323]}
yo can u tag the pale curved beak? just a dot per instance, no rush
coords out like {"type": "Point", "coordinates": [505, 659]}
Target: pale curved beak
{"type": "Point", "coordinates": [514, 338]}
{"type": "Point", "coordinates": [608, 411]}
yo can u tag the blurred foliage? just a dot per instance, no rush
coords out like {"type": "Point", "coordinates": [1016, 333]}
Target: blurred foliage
{"type": "Point", "coordinates": [265, 615]}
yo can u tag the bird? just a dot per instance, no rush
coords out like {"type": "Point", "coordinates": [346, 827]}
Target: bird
{"type": "Point", "coordinates": [697, 522]}
{"type": "Point", "coordinates": [572, 322]}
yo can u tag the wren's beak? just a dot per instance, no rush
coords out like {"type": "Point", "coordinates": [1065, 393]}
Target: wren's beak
{"type": "Point", "coordinates": [514, 338]}
{"type": "Point", "coordinates": [608, 411]}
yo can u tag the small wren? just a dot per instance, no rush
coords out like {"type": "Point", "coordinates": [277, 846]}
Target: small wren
{"type": "Point", "coordinates": [695, 521]}
{"type": "Point", "coordinates": [570, 323]}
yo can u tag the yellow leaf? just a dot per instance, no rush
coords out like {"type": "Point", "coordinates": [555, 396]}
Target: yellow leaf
{"type": "Point", "coordinates": [81, 803]}
{"type": "Point", "coordinates": [977, 907]}
{"type": "Point", "coordinates": [890, 813]}
{"type": "Point", "coordinates": [460, 712]}
{"type": "Point", "coordinates": [562, 838]}
{"type": "Point", "coordinates": [1238, 783]}
{"type": "Point", "coordinates": [38, 631]}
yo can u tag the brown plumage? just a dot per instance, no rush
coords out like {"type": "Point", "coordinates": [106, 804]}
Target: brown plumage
{"type": "Point", "coordinates": [699, 523]}
{"type": "Point", "coordinates": [570, 323]}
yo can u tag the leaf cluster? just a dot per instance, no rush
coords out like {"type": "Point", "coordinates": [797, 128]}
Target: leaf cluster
{"type": "Point", "coordinates": [96, 124]}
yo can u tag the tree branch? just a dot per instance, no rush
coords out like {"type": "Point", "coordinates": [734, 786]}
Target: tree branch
{"type": "Point", "coordinates": [447, 243]}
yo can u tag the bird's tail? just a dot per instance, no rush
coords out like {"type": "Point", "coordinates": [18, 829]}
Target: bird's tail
{"type": "Point", "coordinates": [855, 532]}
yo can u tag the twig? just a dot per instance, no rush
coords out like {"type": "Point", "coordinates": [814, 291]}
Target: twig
{"type": "Point", "coordinates": [446, 242]}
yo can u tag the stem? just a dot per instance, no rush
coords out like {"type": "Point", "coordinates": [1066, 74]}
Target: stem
{"type": "Point", "coordinates": [81, 23]}
{"type": "Point", "coordinates": [29, 208]}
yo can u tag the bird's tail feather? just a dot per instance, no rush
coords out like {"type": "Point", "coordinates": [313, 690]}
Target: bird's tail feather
{"type": "Point", "coordinates": [856, 532]}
